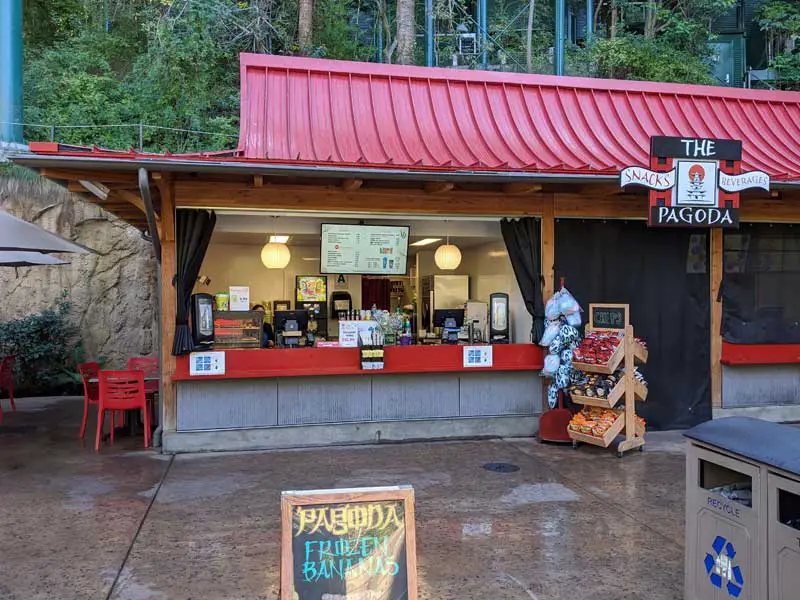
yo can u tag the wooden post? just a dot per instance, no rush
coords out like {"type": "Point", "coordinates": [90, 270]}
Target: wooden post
{"type": "Point", "coordinates": [548, 261]}
{"type": "Point", "coordinates": [548, 245]}
{"type": "Point", "coordinates": [168, 305]}
{"type": "Point", "coordinates": [716, 317]}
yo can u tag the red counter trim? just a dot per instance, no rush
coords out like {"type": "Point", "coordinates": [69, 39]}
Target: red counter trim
{"type": "Point", "coordinates": [309, 362]}
{"type": "Point", "coordinates": [760, 354]}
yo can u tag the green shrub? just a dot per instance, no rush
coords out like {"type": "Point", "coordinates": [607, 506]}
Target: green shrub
{"type": "Point", "coordinates": [47, 350]}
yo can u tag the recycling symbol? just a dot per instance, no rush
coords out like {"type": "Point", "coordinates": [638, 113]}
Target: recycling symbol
{"type": "Point", "coordinates": [721, 570]}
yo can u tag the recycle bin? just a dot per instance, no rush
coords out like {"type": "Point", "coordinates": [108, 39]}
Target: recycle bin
{"type": "Point", "coordinates": [784, 537]}
{"type": "Point", "coordinates": [742, 511]}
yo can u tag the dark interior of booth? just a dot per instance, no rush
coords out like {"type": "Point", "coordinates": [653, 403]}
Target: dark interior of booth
{"type": "Point", "coordinates": [760, 283]}
{"type": "Point", "coordinates": [663, 275]}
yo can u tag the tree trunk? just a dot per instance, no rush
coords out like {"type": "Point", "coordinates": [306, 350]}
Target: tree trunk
{"type": "Point", "coordinates": [650, 19]}
{"type": "Point", "coordinates": [405, 32]}
{"type": "Point", "coordinates": [529, 55]}
{"type": "Point", "coordinates": [305, 24]}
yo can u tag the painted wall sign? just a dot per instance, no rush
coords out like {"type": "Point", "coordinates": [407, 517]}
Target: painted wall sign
{"type": "Point", "coordinates": [694, 182]}
{"type": "Point", "coordinates": [349, 543]}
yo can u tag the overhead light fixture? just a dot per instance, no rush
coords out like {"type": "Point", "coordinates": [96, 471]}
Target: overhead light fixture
{"type": "Point", "coordinates": [447, 256]}
{"type": "Point", "coordinates": [275, 255]}
{"type": "Point", "coordinates": [278, 239]}
{"type": "Point", "coordinates": [426, 242]}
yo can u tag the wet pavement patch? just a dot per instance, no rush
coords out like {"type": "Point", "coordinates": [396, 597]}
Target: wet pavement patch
{"type": "Point", "coordinates": [501, 467]}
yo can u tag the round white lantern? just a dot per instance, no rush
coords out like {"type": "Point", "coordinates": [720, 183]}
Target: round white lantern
{"type": "Point", "coordinates": [275, 256]}
{"type": "Point", "coordinates": [447, 257]}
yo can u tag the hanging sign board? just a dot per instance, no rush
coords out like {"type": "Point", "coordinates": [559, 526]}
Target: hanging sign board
{"type": "Point", "coordinates": [694, 182]}
{"type": "Point", "coordinates": [349, 544]}
{"type": "Point", "coordinates": [609, 317]}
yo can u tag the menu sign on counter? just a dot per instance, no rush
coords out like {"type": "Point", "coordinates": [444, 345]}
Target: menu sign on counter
{"type": "Point", "coordinates": [364, 249]}
{"type": "Point", "coordinates": [349, 544]}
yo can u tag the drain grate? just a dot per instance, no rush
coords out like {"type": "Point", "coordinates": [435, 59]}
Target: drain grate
{"type": "Point", "coordinates": [501, 467]}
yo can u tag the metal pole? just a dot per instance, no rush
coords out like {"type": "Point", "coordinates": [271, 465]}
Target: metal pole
{"type": "Point", "coordinates": [589, 20]}
{"type": "Point", "coordinates": [141, 137]}
{"type": "Point", "coordinates": [429, 33]}
{"type": "Point", "coordinates": [483, 27]}
{"type": "Point", "coordinates": [561, 10]}
{"type": "Point", "coordinates": [380, 38]}
{"type": "Point", "coordinates": [11, 71]}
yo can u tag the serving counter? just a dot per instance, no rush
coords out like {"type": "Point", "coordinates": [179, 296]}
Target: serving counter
{"type": "Point", "coordinates": [316, 396]}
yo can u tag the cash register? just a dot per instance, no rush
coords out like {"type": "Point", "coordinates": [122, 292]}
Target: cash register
{"type": "Point", "coordinates": [290, 327]}
{"type": "Point", "coordinates": [451, 321]}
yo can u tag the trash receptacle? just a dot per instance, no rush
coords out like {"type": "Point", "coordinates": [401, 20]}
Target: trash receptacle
{"type": "Point", "coordinates": [742, 489]}
{"type": "Point", "coordinates": [784, 537]}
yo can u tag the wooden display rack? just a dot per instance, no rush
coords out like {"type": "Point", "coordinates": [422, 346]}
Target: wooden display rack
{"type": "Point", "coordinates": [614, 318]}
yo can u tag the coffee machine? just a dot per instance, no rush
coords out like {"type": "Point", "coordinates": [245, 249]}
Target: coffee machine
{"type": "Point", "coordinates": [203, 321]}
{"type": "Point", "coordinates": [499, 332]}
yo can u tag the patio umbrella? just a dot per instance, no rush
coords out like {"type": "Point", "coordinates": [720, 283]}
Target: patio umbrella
{"type": "Point", "coordinates": [20, 236]}
{"type": "Point", "coordinates": [28, 259]}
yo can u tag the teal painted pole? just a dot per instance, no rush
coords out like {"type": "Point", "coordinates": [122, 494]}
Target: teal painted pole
{"type": "Point", "coordinates": [429, 33]}
{"type": "Point", "coordinates": [589, 20]}
{"type": "Point", "coordinates": [11, 70]}
{"type": "Point", "coordinates": [561, 11]}
{"type": "Point", "coordinates": [484, 27]}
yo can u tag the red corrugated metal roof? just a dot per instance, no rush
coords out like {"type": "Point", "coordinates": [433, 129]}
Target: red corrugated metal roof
{"type": "Point", "coordinates": [335, 112]}
{"type": "Point", "coordinates": [349, 115]}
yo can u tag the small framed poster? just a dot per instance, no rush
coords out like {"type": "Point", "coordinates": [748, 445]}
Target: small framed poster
{"type": "Point", "coordinates": [239, 297]}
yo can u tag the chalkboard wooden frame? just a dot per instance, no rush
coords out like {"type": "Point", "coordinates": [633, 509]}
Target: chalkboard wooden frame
{"type": "Point", "coordinates": [593, 307]}
{"type": "Point", "coordinates": [292, 499]}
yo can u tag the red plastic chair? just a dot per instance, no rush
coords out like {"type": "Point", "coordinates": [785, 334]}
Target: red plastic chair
{"type": "Point", "coordinates": [150, 367]}
{"type": "Point", "coordinates": [121, 390]}
{"type": "Point", "coordinates": [7, 381]}
{"type": "Point", "coordinates": [91, 393]}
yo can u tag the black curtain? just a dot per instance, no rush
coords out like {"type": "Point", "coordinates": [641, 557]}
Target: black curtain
{"type": "Point", "coordinates": [760, 283]}
{"type": "Point", "coordinates": [193, 229]}
{"type": "Point", "coordinates": [663, 275]}
{"type": "Point", "coordinates": [523, 238]}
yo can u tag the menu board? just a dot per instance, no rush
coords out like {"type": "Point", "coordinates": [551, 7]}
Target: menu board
{"type": "Point", "coordinates": [364, 249]}
{"type": "Point", "coordinates": [349, 544]}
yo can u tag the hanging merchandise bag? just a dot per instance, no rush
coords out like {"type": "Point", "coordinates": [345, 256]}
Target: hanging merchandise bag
{"type": "Point", "coordinates": [552, 395]}
{"type": "Point", "coordinates": [567, 304]}
{"type": "Point", "coordinates": [551, 365]}
{"type": "Point", "coordinates": [552, 309]}
{"type": "Point", "coordinates": [550, 332]}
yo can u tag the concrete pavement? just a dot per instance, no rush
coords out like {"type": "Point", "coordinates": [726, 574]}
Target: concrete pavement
{"type": "Point", "coordinates": [129, 524]}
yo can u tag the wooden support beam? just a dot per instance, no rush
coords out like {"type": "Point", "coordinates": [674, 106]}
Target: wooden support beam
{"type": "Point", "coordinates": [96, 188]}
{"type": "Point", "coordinates": [169, 299]}
{"type": "Point", "coordinates": [332, 198]}
{"type": "Point", "coordinates": [548, 245]}
{"type": "Point", "coordinates": [258, 180]}
{"type": "Point", "coordinates": [716, 317]}
{"type": "Point", "coordinates": [438, 187]}
{"type": "Point", "coordinates": [521, 188]}
{"type": "Point", "coordinates": [98, 175]}
{"type": "Point", "coordinates": [351, 185]}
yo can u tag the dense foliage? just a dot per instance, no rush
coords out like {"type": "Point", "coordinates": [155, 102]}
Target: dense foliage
{"type": "Point", "coordinates": [46, 351]}
{"type": "Point", "coordinates": [172, 65]}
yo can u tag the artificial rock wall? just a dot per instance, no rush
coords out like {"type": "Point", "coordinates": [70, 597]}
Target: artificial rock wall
{"type": "Point", "coordinates": [113, 293]}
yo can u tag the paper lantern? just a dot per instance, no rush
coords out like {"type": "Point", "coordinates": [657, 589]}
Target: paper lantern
{"type": "Point", "coordinates": [275, 256]}
{"type": "Point", "coordinates": [447, 257]}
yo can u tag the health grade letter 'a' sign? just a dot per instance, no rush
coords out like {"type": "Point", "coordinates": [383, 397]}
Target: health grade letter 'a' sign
{"type": "Point", "coordinates": [694, 182]}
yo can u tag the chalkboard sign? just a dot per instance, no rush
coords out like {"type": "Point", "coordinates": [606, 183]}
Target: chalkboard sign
{"type": "Point", "coordinates": [608, 317]}
{"type": "Point", "coordinates": [353, 544]}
